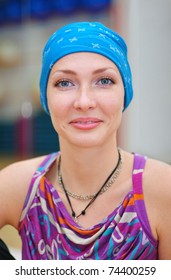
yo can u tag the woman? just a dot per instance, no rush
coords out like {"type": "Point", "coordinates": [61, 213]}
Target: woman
{"type": "Point", "coordinates": [91, 200]}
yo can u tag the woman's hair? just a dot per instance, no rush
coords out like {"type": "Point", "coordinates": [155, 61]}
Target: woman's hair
{"type": "Point", "coordinates": [91, 37]}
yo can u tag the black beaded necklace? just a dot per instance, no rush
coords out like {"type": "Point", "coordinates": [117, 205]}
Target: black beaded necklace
{"type": "Point", "coordinates": [83, 212]}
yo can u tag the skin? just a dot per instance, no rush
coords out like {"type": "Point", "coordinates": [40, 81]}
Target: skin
{"type": "Point", "coordinates": [85, 98]}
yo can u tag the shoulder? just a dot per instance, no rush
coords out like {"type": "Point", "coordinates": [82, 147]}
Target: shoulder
{"type": "Point", "coordinates": [14, 183]}
{"type": "Point", "coordinates": [20, 172]}
{"type": "Point", "coordinates": [158, 175]}
{"type": "Point", "coordinates": [157, 184]}
{"type": "Point", "coordinates": [157, 194]}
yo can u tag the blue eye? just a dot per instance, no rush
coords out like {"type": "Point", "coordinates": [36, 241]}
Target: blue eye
{"type": "Point", "coordinates": [63, 83]}
{"type": "Point", "coordinates": [106, 81]}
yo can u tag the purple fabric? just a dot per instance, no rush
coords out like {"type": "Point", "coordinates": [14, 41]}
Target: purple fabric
{"type": "Point", "coordinates": [48, 231]}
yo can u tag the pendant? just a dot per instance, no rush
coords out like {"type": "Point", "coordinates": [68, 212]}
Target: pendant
{"type": "Point", "coordinates": [76, 220]}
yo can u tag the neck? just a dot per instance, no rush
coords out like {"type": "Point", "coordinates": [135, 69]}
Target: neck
{"type": "Point", "coordinates": [88, 167]}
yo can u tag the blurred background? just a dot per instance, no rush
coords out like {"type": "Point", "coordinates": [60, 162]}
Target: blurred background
{"type": "Point", "coordinates": [25, 25]}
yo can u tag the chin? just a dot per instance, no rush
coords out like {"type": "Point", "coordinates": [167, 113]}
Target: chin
{"type": "Point", "coordinates": [88, 142]}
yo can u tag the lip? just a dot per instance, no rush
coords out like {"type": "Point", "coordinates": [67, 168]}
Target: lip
{"type": "Point", "coordinates": [85, 123]}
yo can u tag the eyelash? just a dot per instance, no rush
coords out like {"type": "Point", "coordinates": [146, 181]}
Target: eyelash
{"type": "Point", "coordinates": [59, 83]}
{"type": "Point", "coordinates": [106, 78]}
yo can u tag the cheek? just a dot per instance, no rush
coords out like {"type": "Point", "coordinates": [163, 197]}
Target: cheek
{"type": "Point", "coordinates": [58, 118]}
{"type": "Point", "coordinates": [56, 104]}
{"type": "Point", "coordinates": [116, 97]}
{"type": "Point", "coordinates": [114, 104]}
{"type": "Point", "coordinates": [59, 108]}
{"type": "Point", "coordinates": [58, 113]}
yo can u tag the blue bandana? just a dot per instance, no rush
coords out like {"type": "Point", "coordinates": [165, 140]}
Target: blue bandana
{"type": "Point", "coordinates": [86, 37]}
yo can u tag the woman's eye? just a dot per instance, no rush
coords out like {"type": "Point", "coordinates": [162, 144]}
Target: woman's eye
{"type": "Point", "coordinates": [63, 83]}
{"type": "Point", "coordinates": [106, 81]}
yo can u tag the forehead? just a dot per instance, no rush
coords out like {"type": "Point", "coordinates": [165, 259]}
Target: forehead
{"type": "Point", "coordinates": [84, 60]}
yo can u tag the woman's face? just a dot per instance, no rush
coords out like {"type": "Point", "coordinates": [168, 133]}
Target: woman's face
{"type": "Point", "coordinates": [85, 96]}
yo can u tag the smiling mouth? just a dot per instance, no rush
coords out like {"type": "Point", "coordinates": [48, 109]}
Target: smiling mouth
{"type": "Point", "coordinates": [85, 124]}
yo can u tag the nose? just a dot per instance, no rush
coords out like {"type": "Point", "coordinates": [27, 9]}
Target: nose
{"type": "Point", "coordinates": [85, 100]}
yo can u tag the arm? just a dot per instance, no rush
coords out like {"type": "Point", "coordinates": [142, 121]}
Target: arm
{"type": "Point", "coordinates": [14, 183]}
{"type": "Point", "coordinates": [11, 194]}
{"type": "Point", "coordinates": [157, 191]}
{"type": "Point", "coordinates": [164, 225]}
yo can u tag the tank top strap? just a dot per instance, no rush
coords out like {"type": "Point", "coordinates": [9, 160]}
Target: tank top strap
{"type": "Point", "coordinates": [137, 174]}
{"type": "Point", "coordinates": [137, 180]}
{"type": "Point", "coordinates": [46, 163]}
{"type": "Point", "coordinates": [35, 181]}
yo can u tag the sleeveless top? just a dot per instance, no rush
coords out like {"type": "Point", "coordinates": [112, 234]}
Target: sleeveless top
{"type": "Point", "coordinates": [48, 231]}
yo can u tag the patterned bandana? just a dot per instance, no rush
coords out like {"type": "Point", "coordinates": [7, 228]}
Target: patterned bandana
{"type": "Point", "coordinates": [86, 37]}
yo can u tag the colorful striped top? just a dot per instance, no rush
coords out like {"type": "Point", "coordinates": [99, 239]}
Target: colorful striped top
{"type": "Point", "coordinates": [48, 231]}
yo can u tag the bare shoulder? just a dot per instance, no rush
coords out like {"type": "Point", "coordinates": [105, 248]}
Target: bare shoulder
{"type": "Point", "coordinates": [14, 183]}
{"type": "Point", "coordinates": [157, 182]}
{"type": "Point", "coordinates": [19, 173]}
{"type": "Point", "coordinates": [158, 175]}
{"type": "Point", "coordinates": [157, 191]}
{"type": "Point", "coordinates": [27, 166]}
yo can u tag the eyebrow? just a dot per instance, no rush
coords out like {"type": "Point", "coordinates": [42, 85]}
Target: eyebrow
{"type": "Point", "coordinates": [68, 71]}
